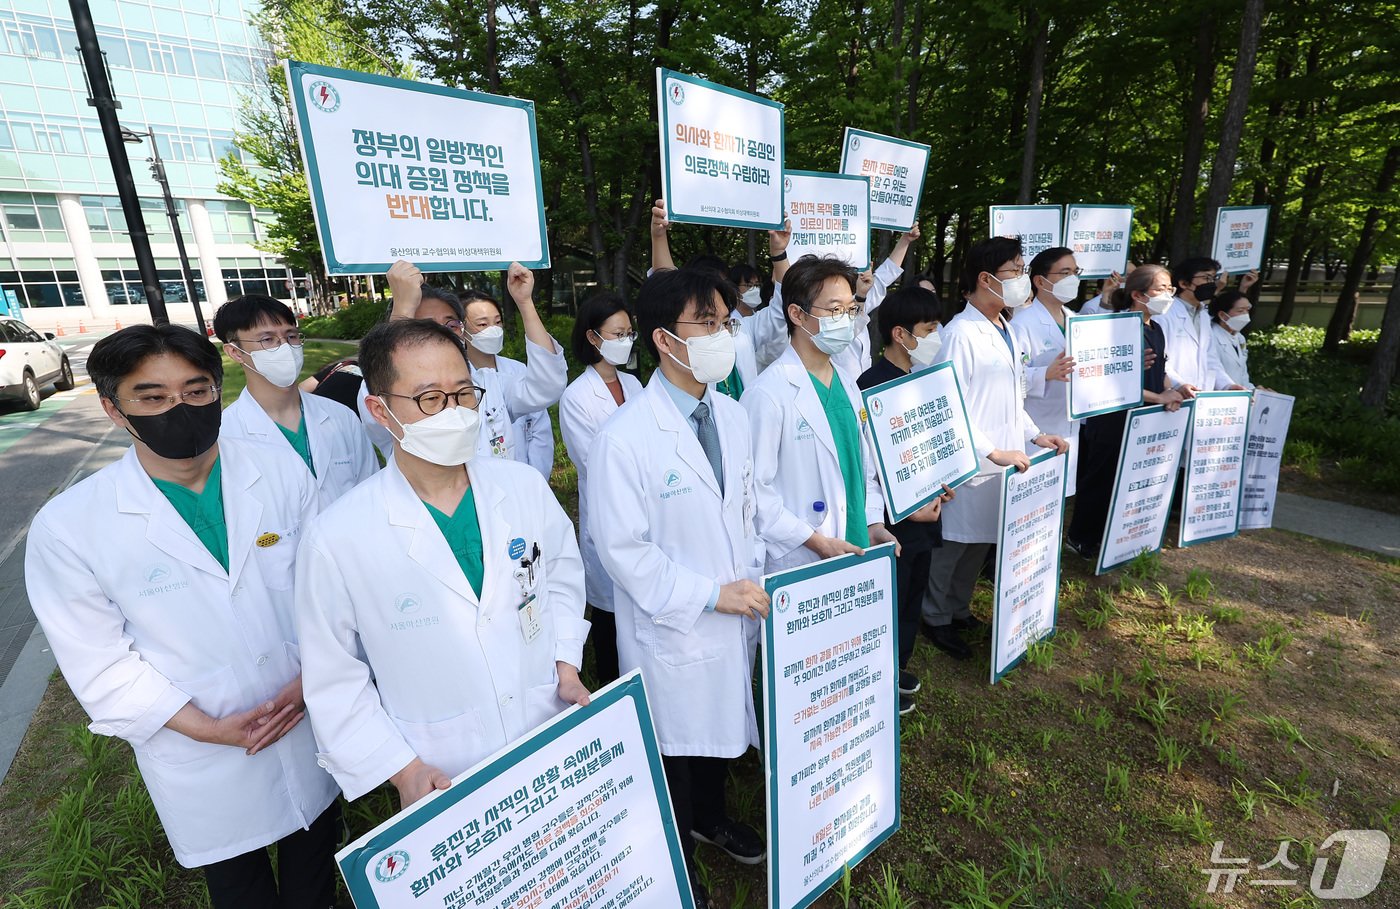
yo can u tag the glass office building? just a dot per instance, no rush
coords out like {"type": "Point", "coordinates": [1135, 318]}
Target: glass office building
{"type": "Point", "coordinates": [179, 68]}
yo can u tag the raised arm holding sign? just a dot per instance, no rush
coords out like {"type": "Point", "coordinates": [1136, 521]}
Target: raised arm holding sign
{"type": "Point", "coordinates": [896, 169]}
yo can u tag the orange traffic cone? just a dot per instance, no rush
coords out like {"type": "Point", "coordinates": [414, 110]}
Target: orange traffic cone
{"type": "Point", "coordinates": [60, 333]}
{"type": "Point", "coordinates": [82, 329]}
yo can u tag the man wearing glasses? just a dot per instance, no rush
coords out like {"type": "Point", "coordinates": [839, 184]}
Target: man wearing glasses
{"type": "Point", "coordinates": [164, 585]}
{"type": "Point", "coordinates": [260, 334]}
{"type": "Point", "coordinates": [440, 602]}
{"type": "Point", "coordinates": [810, 453]}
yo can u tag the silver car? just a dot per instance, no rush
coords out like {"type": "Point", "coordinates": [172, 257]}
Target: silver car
{"type": "Point", "coordinates": [28, 362]}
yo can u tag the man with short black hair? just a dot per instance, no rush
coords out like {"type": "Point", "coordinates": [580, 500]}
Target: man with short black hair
{"type": "Point", "coordinates": [261, 335]}
{"type": "Point", "coordinates": [1192, 361]}
{"type": "Point", "coordinates": [164, 585]}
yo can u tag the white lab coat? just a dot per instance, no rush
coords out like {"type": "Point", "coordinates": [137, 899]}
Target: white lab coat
{"type": "Point", "coordinates": [1191, 355]}
{"type": "Point", "coordinates": [855, 359]}
{"type": "Point", "coordinates": [586, 406]}
{"type": "Point", "coordinates": [400, 658]}
{"type": "Point", "coordinates": [536, 432]}
{"type": "Point", "coordinates": [1094, 305]}
{"type": "Point", "coordinates": [514, 390]}
{"type": "Point", "coordinates": [745, 359]}
{"type": "Point", "coordinates": [143, 620]}
{"type": "Point", "coordinates": [1040, 338]}
{"type": "Point", "coordinates": [342, 453]}
{"type": "Point", "coordinates": [1232, 353]}
{"type": "Point", "coordinates": [993, 386]}
{"type": "Point", "coordinates": [667, 536]}
{"type": "Point", "coordinates": [795, 461]}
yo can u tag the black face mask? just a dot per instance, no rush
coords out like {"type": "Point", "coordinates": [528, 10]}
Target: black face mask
{"type": "Point", "coordinates": [1204, 292]}
{"type": "Point", "coordinates": [184, 431]}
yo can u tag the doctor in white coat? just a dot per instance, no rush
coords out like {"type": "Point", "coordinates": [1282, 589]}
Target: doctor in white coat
{"type": "Point", "coordinates": [991, 369]}
{"type": "Point", "coordinates": [440, 602]}
{"type": "Point", "coordinates": [810, 450]}
{"type": "Point", "coordinates": [603, 338]}
{"type": "Point", "coordinates": [679, 528]}
{"type": "Point", "coordinates": [1229, 314]}
{"type": "Point", "coordinates": [261, 335]}
{"type": "Point", "coordinates": [513, 389]}
{"type": "Point", "coordinates": [1193, 364]}
{"type": "Point", "coordinates": [1039, 327]}
{"type": "Point", "coordinates": [164, 585]}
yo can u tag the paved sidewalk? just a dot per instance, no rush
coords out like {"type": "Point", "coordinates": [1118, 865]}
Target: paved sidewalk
{"type": "Point", "coordinates": [1360, 527]}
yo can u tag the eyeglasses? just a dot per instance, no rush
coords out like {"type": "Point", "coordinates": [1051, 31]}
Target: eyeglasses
{"type": "Point", "coordinates": [1013, 269]}
{"type": "Point", "coordinates": [1206, 276]}
{"type": "Point", "coordinates": [149, 405]}
{"type": "Point", "coordinates": [712, 325]}
{"type": "Point", "coordinates": [853, 310]}
{"type": "Point", "coordinates": [272, 342]}
{"type": "Point", "coordinates": [433, 401]}
{"type": "Point", "coordinates": [1066, 272]}
{"type": "Point", "coordinates": [619, 336]}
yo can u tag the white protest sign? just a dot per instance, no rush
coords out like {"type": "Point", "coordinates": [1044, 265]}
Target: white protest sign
{"type": "Point", "coordinates": [1099, 236]}
{"type": "Point", "coordinates": [575, 814]}
{"type": "Point", "coordinates": [1107, 349]}
{"type": "Point", "coordinates": [1263, 453]}
{"type": "Point", "coordinates": [1240, 232]}
{"type": "Point", "coordinates": [922, 437]}
{"type": "Point", "coordinates": [446, 178]}
{"type": "Point", "coordinates": [830, 215]}
{"type": "Point", "coordinates": [896, 168]}
{"type": "Point", "coordinates": [1210, 504]}
{"type": "Point", "coordinates": [1028, 558]}
{"type": "Point", "coordinates": [1038, 226]}
{"type": "Point", "coordinates": [721, 153]}
{"type": "Point", "coordinates": [831, 704]}
{"type": "Point", "coordinates": [1143, 484]}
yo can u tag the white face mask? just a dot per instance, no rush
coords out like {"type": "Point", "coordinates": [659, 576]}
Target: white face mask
{"type": "Point", "coordinates": [834, 334]}
{"type": "Point", "coordinates": [1237, 323]}
{"type": "Point", "coordinates": [616, 351]}
{"type": "Point", "coordinates": [711, 356]}
{"type": "Point", "coordinates": [1015, 292]}
{"type": "Point", "coordinates": [281, 366]}
{"type": "Point", "coordinates": [447, 438]}
{"type": "Point", "coordinates": [489, 340]}
{"type": "Point", "coordinates": [1065, 289]}
{"type": "Point", "coordinates": [925, 349]}
{"type": "Point", "coordinates": [1159, 304]}
{"type": "Point", "coordinates": [753, 297]}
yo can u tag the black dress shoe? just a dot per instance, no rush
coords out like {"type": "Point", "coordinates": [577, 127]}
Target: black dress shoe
{"type": "Point", "coordinates": [739, 841]}
{"type": "Point", "coordinates": [1084, 550]}
{"type": "Point", "coordinates": [947, 639]}
{"type": "Point", "coordinates": [969, 623]}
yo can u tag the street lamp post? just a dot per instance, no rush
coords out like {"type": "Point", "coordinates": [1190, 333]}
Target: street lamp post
{"type": "Point", "coordinates": [158, 172]}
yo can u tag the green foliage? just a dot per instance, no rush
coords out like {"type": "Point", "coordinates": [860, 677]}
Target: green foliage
{"type": "Point", "coordinates": [350, 323]}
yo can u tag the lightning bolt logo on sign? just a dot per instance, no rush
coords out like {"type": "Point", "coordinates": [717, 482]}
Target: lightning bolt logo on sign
{"type": "Point", "coordinates": [391, 866]}
{"type": "Point", "coordinates": [324, 96]}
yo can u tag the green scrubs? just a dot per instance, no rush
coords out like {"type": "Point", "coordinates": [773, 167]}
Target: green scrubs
{"type": "Point", "coordinates": [845, 430]}
{"type": "Point", "coordinates": [733, 386]}
{"type": "Point", "coordinates": [463, 535]}
{"type": "Point", "coordinates": [299, 442]}
{"type": "Point", "coordinates": [203, 511]}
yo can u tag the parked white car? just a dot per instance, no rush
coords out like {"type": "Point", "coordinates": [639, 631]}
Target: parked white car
{"type": "Point", "coordinates": [28, 362]}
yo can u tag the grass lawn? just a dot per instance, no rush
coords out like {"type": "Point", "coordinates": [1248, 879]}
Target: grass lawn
{"type": "Point", "coordinates": [1242, 691]}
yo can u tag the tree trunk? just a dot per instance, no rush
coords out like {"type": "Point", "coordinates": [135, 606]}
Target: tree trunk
{"type": "Point", "coordinates": [1382, 373]}
{"type": "Point", "coordinates": [493, 63]}
{"type": "Point", "coordinates": [1037, 90]}
{"type": "Point", "coordinates": [940, 251]}
{"type": "Point", "coordinates": [1339, 327]}
{"type": "Point", "coordinates": [1196, 111]}
{"type": "Point", "coordinates": [1222, 169]}
{"type": "Point", "coordinates": [962, 239]}
{"type": "Point", "coordinates": [1297, 245]}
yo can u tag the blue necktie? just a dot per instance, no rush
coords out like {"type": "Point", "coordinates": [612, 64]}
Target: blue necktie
{"type": "Point", "coordinates": [709, 439]}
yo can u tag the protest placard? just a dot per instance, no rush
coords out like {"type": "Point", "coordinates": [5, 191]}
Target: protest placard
{"type": "Point", "coordinates": [1099, 235]}
{"type": "Point", "coordinates": [1028, 559]}
{"type": "Point", "coordinates": [831, 705]}
{"type": "Point", "coordinates": [1143, 484]}
{"type": "Point", "coordinates": [1038, 226]}
{"type": "Point", "coordinates": [1107, 349]}
{"type": "Point", "coordinates": [721, 153]}
{"type": "Point", "coordinates": [446, 178]}
{"type": "Point", "coordinates": [830, 216]}
{"type": "Point", "coordinates": [575, 814]}
{"type": "Point", "coordinates": [1263, 453]}
{"type": "Point", "coordinates": [1210, 503]}
{"type": "Point", "coordinates": [922, 437]}
{"type": "Point", "coordinates": [896, 169]}
{"type": "Point", "coordinates": [1240, 232]}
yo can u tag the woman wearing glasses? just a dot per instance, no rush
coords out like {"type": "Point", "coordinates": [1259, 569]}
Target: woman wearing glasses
{"type": "Point", "coordinates": [603, 338]}
{"type": "Point", "coordinates": [260, 334]}
{"type": "Point", "coordinates": [1039, 328]}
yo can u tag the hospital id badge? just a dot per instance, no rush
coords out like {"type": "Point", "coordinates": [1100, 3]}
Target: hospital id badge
{"type": "Point", "coordinates": [529, 614]}
{"type": "Point", "coordinates": [498, 447]}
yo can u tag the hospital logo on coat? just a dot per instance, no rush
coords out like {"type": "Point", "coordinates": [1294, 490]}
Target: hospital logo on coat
{"type": "Point", "coordinates": [407, 603]}
{"type": "Point", "coordinates": [391, 866]}
{"type": "Point", "coordinates": [516, 549]}
{"type": "Point", "coordinates": [324, 97]}
{"type": "Point", "coordinates": [783, 601]}
{"type": "Point", "coordinates": [156, 574]}
{"type": "Point", "coordinates": [672, 478]}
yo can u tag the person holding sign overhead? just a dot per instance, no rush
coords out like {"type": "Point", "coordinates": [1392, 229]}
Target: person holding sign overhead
{"type": "Point", "coordinates": [806, 419]}
{"type": "Point", "coordinates": [603, 338]}
{"type": "Point", "coordinates": [440, 603]}
{"type": "Point", "coordinates": [1040, 332]}
{"type": "Point", "coordinates": [679, 526]}
{"type": "Point", "coordinates": [992, 372]}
